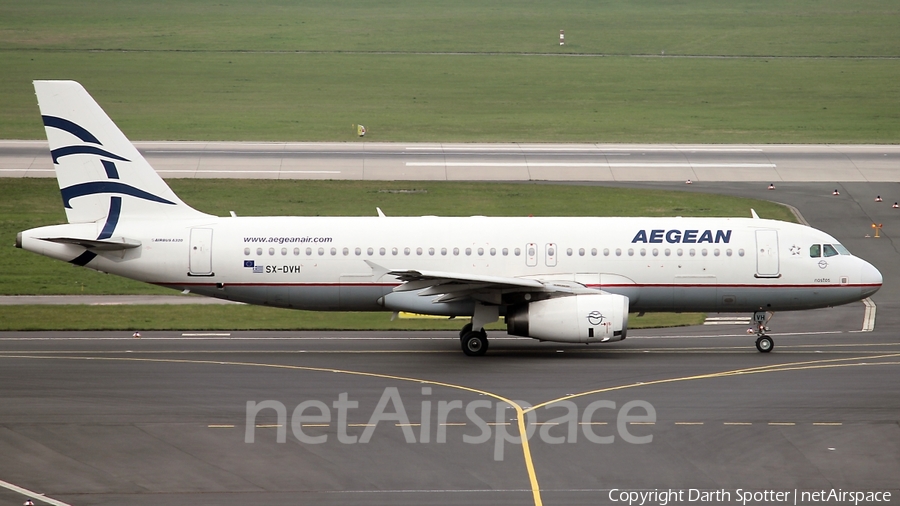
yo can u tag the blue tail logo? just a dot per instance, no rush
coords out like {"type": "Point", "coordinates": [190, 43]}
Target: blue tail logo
{"type": "Point", "coordinates": [110, 185]}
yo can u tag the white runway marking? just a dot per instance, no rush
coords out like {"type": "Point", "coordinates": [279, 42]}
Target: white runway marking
{"type": "Point", "coordinates": [205, 171]}
{"type": "Point", "coordinates": [727, 320]}
{"type": "Point", "coordinates": [869, 317]}
{"type": "Point", "coordinates": [551, 149]}
{"type": "Point", "coordinates": [33, 495]}
{"type": "Point", "coordinates": [661, 165]}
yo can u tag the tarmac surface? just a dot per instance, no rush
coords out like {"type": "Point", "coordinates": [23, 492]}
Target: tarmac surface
{"type": "Point", "coordinates": [503, 162]}
{"type": "Point", "coordinates": [103, 418]}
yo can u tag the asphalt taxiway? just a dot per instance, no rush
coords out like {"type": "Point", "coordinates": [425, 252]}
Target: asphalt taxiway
{"type": "Point", "coordinates": [103, 418]}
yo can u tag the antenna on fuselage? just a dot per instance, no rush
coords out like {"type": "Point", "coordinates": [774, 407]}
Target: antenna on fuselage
{"type": "Point", "coordinates": [380, 213]}
{"type": "Point", "coordinates": [753, 214]}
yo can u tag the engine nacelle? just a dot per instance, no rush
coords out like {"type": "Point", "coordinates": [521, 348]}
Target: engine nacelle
{"type": "Point", "coordinates": [590, 318]}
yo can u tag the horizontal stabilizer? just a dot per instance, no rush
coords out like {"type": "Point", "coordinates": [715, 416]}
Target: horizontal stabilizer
{"type": "Point", "coordinates": [111, 244]}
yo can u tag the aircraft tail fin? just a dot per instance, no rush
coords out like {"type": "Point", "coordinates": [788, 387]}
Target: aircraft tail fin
{"type": "Point", "coordinates": [101, 175]}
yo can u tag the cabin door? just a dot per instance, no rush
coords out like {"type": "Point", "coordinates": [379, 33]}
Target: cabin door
{"type": "Point", "coordinates": [201, 252]}
{"type": "Point", "coordinates": [767, 254]}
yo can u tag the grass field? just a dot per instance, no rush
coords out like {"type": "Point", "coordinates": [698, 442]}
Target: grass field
{"type": "Point", "coordinates": [211, 71]}
{"type": "Point", "coordinates": [29, 203]}
{"type": "Point", "coordinates": [705, 27]}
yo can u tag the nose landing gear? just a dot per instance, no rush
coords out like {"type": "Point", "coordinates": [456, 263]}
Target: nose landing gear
{"type": "Point", "coordinates": [764, 343]}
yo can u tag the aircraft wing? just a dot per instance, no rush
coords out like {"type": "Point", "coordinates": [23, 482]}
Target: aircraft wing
{"type": "Point", "coordinates": [452, 286]}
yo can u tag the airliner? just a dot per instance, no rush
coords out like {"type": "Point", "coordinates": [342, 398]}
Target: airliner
{"type": "Point", "coordinates": [571, 280]}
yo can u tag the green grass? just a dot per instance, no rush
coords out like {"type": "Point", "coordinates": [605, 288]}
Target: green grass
{"type": "Point", "coordinates": [715, 27]}
{"type": "Point", "coordinates": [129, 318]}
{"type": "Point", "coordinates": [214, 71]}
{"type": "Point", "coordinates": [314, 97]}
{"type": "Point", "coordinates": [30, 203]}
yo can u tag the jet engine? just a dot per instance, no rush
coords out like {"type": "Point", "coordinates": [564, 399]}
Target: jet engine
{"type": "Point", "coordinates": [587, 318]}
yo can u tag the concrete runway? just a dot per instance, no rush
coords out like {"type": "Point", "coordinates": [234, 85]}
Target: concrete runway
{"type": "Point", "coordinates": [102, 418]}
{"type": "Point", "coordinates": [506, 162]}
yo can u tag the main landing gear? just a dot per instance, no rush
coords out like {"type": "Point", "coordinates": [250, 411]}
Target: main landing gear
{"type": "Point", "coordinates": [764, 343]}
{"type": "Point", "coordinates": [474, 342]}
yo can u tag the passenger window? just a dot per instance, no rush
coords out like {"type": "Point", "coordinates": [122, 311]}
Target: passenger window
{"type": "Point", "coordinates": [815, 251]}
{"type": "Point", "coordinates": [829, 250]}
{"type": "Point", "coordinates": [505, 251]}
{"type": "Point", "coordinates": [246, 251]}
{"type": "Point", "coordinates": [517, 252]}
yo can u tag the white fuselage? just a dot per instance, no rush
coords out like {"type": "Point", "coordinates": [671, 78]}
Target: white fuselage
{"type": "Point", "coordinates": [660, 264]}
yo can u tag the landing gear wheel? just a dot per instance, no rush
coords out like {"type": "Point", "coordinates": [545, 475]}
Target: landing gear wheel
{"type": "Point", "coordinates": [764, 344]}
{"type": "Point", "coordinates": [474, 344]}
{"type": "Point", "coordinates": [465, 330]}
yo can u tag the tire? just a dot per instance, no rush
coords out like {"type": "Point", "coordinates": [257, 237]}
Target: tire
{"type": "Point", "coordinates": [764, 344]}
{"type": "Point", "coordinates": [474, 344]}
{"type": "Point", "coordinates": [465, 330]}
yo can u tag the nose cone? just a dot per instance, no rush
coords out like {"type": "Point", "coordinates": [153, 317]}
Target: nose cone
{"type": "Point", "coordinates": [871, 279]}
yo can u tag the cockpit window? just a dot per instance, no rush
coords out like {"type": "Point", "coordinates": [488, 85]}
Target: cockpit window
{"type": "Point", "coordinates": [815, 251]}
{"type": "Point", "coordinates": [841, 249]}
{"type": "Point", "coordinates": [829, 250]}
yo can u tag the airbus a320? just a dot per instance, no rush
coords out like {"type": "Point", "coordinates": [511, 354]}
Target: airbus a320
{"type": "Point", "coordinates": [568, 280]}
